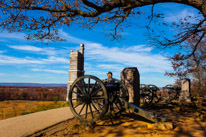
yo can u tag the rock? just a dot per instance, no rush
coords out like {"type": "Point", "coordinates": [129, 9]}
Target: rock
{"type": "Point", "coordinates": [157, 126]}
{"type": "Point", "coordinates": [86, 126]}
{"type": "Point", "coordinates": [140, 127]}
{"type": "Point", "coordinates": [164, 126]}
{"type": "Point", "coordinates": [75, 127]}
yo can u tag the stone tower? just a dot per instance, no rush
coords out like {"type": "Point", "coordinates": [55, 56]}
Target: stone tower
{"type": "Point", "coordinates": [76, 68]}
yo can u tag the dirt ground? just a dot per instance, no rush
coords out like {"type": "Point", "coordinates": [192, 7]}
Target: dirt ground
{"type": "Point", "coordinates": [186, 119]}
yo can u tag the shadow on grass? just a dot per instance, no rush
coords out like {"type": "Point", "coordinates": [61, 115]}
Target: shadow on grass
{"type": "Point", "coordinates": [185, 121]}
{"type": "Point", "coordinates": [184, 118]}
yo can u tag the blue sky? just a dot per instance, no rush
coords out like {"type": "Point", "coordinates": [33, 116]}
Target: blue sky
{"type": "Point", "coordinates": [40, 62]}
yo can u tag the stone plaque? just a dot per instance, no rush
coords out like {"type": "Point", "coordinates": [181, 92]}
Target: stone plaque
{"type": "Point", "coordinates": [130, 77]}
{"type": "Point", "coordinates": [185, 95]}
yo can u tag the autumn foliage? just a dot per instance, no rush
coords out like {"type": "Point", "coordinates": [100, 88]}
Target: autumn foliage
{"type": "Point", "coordinates": [32, 93]}
{"type": "Point", "coordinates": [194, 67]}
{"type": "Point", "coordinates": [22, 15]}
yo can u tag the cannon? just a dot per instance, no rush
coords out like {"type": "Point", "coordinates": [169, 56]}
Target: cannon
{"type": "Point", "coordinates": [173, 92]}
{"type": "Point", "coordinates": [148, 94]}
{"type": "Point", "coordinates": [90, 99]}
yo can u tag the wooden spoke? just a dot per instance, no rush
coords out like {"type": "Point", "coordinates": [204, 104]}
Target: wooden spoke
{"type": "Point", "coordinates": [81, 109]}
{"type": "Point", "coordinates": [85, 88]}
{"type": "Point", "coordinates": [86, 111]}
{"type": "Point", "coordinates": [91, 110]}
{"type": "Point", "coordinates": [96, 91]}
{"type": "Point", "coordinates": [97, 104]}
{"type": "Point", "coordinates": [80, 89]}
{"type": "Point", "coordinates": [95, 107]}
{"type": "Point", "coordinates": [93, 87]}
{"type": "Point", "coordinates": [101, 104]}
{"type": "Point", "coordinates": [78, 104]}
{"type": "Point", "coordinates": [96, 98]}
{"type": "Point", "coordinates": [117, 106]}
{"type": "Point", "coordinates": [88, 86]}
{"type": "Point", "coordinates": [78, 93]}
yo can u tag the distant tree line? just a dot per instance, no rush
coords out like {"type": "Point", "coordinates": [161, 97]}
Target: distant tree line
{"type": "Point", "coordinates": [32, 93]}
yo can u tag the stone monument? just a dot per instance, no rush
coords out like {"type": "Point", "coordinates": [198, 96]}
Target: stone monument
{"type": "Point", "coordinates": [130, 77]}
{"type": "Point", "coordinates": [76, 68]}
{"type": "Point", "coordinates": [185, 91]}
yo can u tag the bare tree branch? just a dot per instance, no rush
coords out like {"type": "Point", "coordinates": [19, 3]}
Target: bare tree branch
{"type": "Point", "coordinates": [195, 47]}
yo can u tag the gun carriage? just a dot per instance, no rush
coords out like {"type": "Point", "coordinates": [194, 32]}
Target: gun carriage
{"type": "Point", "coordinates": [148, 94]}
{"type": "Point", "coordinates": [172, 91]}
{"type": "Point", "coordinates": [90, 99]}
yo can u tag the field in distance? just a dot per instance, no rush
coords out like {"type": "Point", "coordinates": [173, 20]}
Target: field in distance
{"type": "Point", "coordinates": [14, 108]}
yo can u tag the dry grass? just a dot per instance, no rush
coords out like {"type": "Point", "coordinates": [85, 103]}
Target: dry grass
{"type": "Point", "coordinates": [10, 109]}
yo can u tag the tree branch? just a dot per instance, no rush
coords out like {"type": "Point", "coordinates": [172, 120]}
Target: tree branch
{"type": "Point", "coordinates": [90, 4]}
{"type": "Point", "coordinates": [195, 47]}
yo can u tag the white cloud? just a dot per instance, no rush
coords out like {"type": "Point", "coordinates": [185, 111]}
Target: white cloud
{"type": "Point", "coordinates": [115, 67]}
{"type": "Point", "coordinates": [139, 56]}
{"type": "Point", "coordinates": [14, 60]}
{"type": "Point", "coordinates": [25, 76]}
{"type": "Point", "coordinates": [2, 51]}
{"type": "Point", "coordinates": [144, 61]}
{"type": "Point", "coordinates": [71, 38]}
{"type": "Point", "coordinates": [19, 36]}
{"type": "Point", "coordinates": [52, 59]}
{"type": "Point", "coordinates": [2, 74]}
{"type": "Point", "coordinates": [3, 40]}
{"type": "Point", "coordinates": [176, 16]}
{"type": "Point", "coordinates": [66, 66]}
{"type": "Point", "coordinates": [52, 71]}
{"type": "Point", "coordinates": [37, 50]}
{"type": "Point", "coordinates": [25, 47]}
{"type": "Point", "coordinates": [95, 72]}
{"type": "Point", "coordinates": [139, 48]}
{"type": "Point", "coordinates": [27, 60]}
{"type": "Point", "coordinates": [55, 56]}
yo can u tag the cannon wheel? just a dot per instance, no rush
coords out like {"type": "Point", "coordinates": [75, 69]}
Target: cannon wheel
{"type": "Point", "coordinates": [88, 98]}
{"type": "Point", "coordinates": [142, 94]}
{"type": "Point", "coordinates": [115, 104]}
{"type": "Point", "coordinates": [148, 94]}
{"type": "Point", "coordinates": [172, 93]}
{"type": "Point", "coordinates": [155, 98]}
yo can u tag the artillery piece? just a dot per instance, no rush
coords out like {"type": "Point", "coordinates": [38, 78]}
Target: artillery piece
{"type": "Point", "coordinates": [148, 94]}
{"type": "Point", "coordinates": [90, 99]}
{"type": "Point", "coordinates": [173, 92]}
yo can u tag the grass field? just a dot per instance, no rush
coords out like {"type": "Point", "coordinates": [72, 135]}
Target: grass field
{"type": "Point", "coordinates": [10, 109]}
